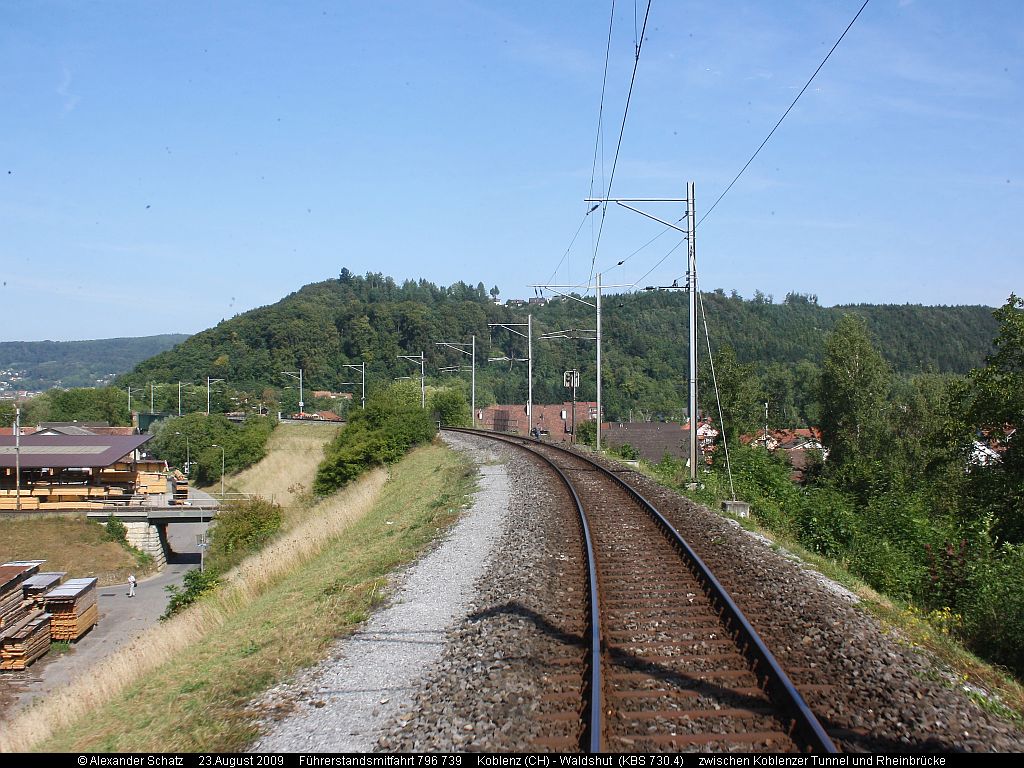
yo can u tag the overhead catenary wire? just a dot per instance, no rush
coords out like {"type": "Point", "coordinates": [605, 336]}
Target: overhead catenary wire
{"type": "Point", "coordinates": [766, 139]}
{"type": "Point", "coordinates": [622, 131]}
{"type": "Point", "coordinates": [788, 110]}
{"type": "Point", "coordinates": [714, 380]}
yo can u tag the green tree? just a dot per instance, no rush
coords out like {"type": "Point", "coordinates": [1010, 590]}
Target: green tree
{"type": "Point", "coordinates": [855, 384]}
{"type": "Point", "coordinates": [6, 414]}
{"type": "Point", "coordinates": [449, 406]}
{"type": "Point", "coordinates": [739, 392]}
{"type": "Point", "coordinates": [997, 411]}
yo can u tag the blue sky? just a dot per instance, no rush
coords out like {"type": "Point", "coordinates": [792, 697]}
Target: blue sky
{"type": "Point", "coordinates": [169, 165]}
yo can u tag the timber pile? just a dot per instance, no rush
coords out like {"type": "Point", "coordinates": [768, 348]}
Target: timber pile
{"type": "Point", "coordinates": [35, 587]}
{"type": "Point", "coordinates": [74, 609]}
{"type": "Point", "coordinates": [26, 641]}
{"type": "Point", "coordinates": [12, 575]}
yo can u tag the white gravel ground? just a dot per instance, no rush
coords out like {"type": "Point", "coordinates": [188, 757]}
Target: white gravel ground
{"type": "Point", "coordinates": [342, 704]}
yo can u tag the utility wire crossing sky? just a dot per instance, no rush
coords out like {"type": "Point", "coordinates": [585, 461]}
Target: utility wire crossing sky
{"type": "Point", "coordinates": [167, 166]}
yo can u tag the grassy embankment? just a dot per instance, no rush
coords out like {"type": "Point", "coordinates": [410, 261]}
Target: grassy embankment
{"type": "Point", "coordinates": [285, 475]}
{"type": "Point", "coordinates": [186, 684]}
{"type": "Point", "coordinates": [69, 543]}
{"type": "Point", "coordinates": [993, 688]}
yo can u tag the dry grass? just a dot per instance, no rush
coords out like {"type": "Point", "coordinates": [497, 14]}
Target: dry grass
{"type": "Point", "coordinates": [67, 543]}
{"type": "Point", "coordinates": [166, 642]}
{"type": "Point", "coordinates": [201, 698]}
{"type": "Point", "coordinates": [245, 641]}
{"type": "Point", "coordinates": [287, 471]}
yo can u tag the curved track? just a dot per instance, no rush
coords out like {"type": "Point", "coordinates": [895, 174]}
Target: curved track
{"type": "Point", "coordinates": [672, 662]}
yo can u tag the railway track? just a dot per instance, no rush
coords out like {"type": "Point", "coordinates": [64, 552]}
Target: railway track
{"type": "Point", "coordinates": [669, 661]}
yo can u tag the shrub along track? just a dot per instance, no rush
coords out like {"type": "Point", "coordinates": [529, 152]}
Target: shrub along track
{"type": "Point", "coordinates": [502, 678]}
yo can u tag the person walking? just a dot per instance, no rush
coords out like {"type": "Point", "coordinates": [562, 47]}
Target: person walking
{"type": "Point", "coordinates": [131, 585]}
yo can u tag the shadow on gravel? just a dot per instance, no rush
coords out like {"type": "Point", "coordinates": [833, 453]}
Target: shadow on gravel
{"type": "Point", "coordinates": [846, 739]}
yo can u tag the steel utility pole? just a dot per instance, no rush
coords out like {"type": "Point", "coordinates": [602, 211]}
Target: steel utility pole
{"type": "Point", "coordinates": [691, 284]}
{"type": "Point", "coordinates": [17, 458]}
{"type": "Point", "coordinates": [600, 415]}
{"type": "Point", "coordinates": [571, 379]}
{"type": "Point", "coordinates": [511, 328]}
{"type": "Point", "coordinates": [596, 304]}
{"type": "Point", "coordinates": [691, 279]}
{"type": "Point", "coordinates": [461, 348]}
{"type": "Point", "coordinates": [362, 380]}
{"type": "Point", "coordinates": [297, 375]}
{"type": "Point", "coordinates": [423, 387]}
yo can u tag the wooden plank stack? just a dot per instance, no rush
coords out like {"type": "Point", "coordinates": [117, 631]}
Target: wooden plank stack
{"type": "Point", "coordinates": [73, 607]}
{"type": "Point", "coordinates": [12, 575]}
{"type": "Point", "coordinates": [24, 642]}
{"type": "Point", "coordinates": [35, 587]}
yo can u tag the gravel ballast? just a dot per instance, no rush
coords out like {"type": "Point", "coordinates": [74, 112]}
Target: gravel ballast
{"type": "Point", "coordinates": [340, 705]}
{"type": "Point", "coordinates": [500, 635]}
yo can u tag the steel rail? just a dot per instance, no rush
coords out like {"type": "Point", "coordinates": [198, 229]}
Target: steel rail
{"type": "Point", "coordinates": [596, 704]}
{"type": "Point", "coordinates": [809, 733]}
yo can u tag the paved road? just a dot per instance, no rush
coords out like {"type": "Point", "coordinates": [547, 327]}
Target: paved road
{"type": "Point", "coordinates": [121, 619]}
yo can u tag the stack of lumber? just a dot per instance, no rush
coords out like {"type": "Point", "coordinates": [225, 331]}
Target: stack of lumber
{"type": "Point", "coordinates": [12, 575]}
{"type": "Point", "coordinates": [35, 587]}
{"type": "Point", "coordinates": [26, 641]}
{"type": "Point", "coordinates": [74, 609]}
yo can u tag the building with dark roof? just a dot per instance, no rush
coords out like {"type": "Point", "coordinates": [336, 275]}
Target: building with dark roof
{"type": "Point", "coordinates": [72, 471]}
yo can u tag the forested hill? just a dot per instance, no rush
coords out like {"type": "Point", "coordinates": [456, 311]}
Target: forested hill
{"type": "Point", "coordinates": [40, 365]}
{"type": "Point", "coordinates": [374, 319]}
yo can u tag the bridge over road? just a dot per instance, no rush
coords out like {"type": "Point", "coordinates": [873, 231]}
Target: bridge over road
{"type": "Point", "coordinates": [146, 524]}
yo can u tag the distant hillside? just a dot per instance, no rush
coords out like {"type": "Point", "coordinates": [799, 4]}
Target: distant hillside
{"type": "Point", "coordinates": [373, 318]}
{"type": "Point", "coordinates": [42, 365]}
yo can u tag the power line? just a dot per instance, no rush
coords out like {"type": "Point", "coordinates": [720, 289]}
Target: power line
{"type": "Point", "coordinates": [660, 261]}
{"type": "Point", "coordinates": [770, 133]}
{"type": "Point", "coordinates": [622, 130]}
{"type": "Point", "coordinates": [599, 136]}
{"type": "Point", "coordinates": [597, 144]}
{"type": "Point", "coordinates": [572, 242]}
{"type": "Point", "coordinates": [763, 143]}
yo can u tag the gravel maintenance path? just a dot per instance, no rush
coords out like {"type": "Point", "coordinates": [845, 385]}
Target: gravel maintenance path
{"type": "Point", "coordinates": [342, 704]}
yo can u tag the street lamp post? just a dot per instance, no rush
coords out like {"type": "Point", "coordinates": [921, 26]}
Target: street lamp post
{"type": "Point", "coordinates": [596, 304]}
{"type": "Point", "coordinates": [691, 282]}
{"type": "Point", "coordinates": [188, 454]}
{"type": "Point", "coordinates": [511, 328]}
{"type": "Point", "coordinates": [221, 469]}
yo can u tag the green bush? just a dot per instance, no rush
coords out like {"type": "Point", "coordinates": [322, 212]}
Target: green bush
{"type": "Point", "coordinates": [626, 451]}
{"type": "Point", "coordinates": [449, 406]}
{"type": "Point", "coordinates": [391, 425]}
{"type": "Point", "coordinates": [241, 527]}
{"type": "Point", "coordinates": [586, 432]}
{"type": "Point", "coordinates": [116, 530]}
{"type": "Point", "coordinates": [825, 521]}
{"type": "Point", "coordinates": [196, 584]}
